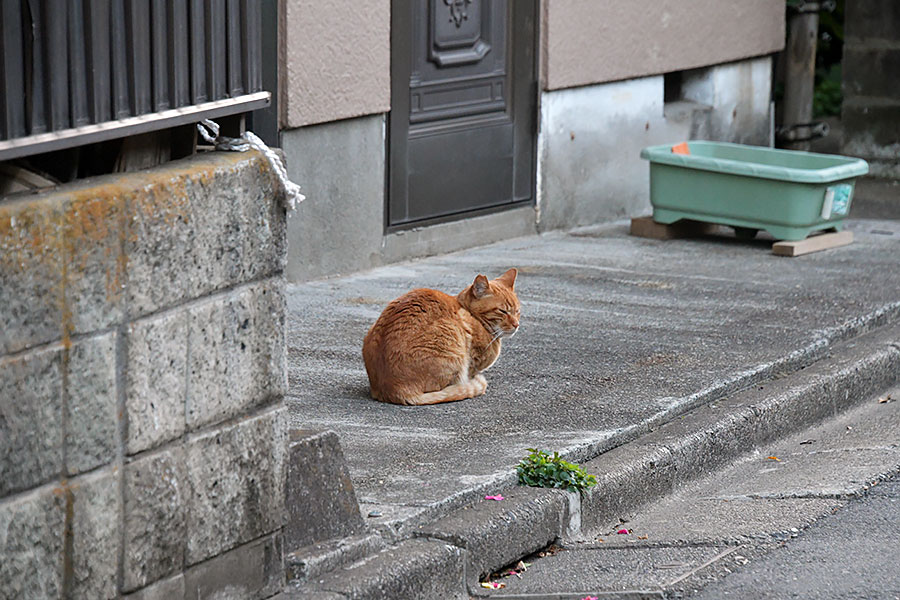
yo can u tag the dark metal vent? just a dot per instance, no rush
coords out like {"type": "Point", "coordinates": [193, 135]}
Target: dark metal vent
{"type": "Point", "coordinates": [80, 71]}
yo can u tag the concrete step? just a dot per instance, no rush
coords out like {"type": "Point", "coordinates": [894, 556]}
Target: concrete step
{"type": "Point", "coordinates": [446, 558]}
{"type": "Point", "coordinates": [324, 529]}
{"type": "Point", "coordinates": [309, 562]}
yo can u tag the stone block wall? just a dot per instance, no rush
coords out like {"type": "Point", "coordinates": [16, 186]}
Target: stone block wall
{"type": "Point", "coordinates": [142, 375]}
{"type": "Point", "coordinates": [871, 85]}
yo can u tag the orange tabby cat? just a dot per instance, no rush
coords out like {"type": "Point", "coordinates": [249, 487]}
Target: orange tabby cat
{"type": "Point", "coordinates": [428, 347]}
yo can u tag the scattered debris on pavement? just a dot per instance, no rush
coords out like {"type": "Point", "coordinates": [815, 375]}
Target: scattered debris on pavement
{"type": "Point", "coordinates": [517, 571]}
{"type": "Point", "coordinates": [551, 550]}
{"type": "Point", "coordinates": [520, 568]}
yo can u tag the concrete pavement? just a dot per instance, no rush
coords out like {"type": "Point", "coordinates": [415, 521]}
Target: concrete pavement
{"type": "Point", "coordinates": [772, 524]}
{"type": "Point", "coordinates": [619, 336]}
{"type": "Point", "coordinates": [852, 554]}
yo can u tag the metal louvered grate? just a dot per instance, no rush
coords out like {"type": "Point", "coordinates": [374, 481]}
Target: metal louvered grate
{"type": "Point", "coordinates": [80, 71]}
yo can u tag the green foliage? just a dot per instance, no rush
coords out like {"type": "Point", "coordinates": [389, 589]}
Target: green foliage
{"type": "Point", "coordinates": [827, 96]}
{"type": "Point", "coordinates": [830, 44]}
{"type": "Point", "coordinates": [539, 469]}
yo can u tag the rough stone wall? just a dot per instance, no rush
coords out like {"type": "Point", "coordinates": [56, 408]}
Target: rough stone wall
{"type": "Point", "coordinates": [871, 72]}
{"type": "Point", "coordinates": [142, 374]}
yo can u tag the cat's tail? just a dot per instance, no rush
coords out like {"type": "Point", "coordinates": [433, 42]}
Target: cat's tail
{"type": "Point", "coordinates": [459, 391]}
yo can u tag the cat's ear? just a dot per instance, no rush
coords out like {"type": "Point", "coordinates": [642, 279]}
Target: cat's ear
{"type": "Point", "coordinates": [509, 278]}
{"type": "Point", "coordinates": [480, 288]}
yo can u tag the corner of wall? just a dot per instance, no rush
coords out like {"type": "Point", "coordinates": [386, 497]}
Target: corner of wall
{"type": "Point", "coordinates": [146, 336]}
{"type": "Point", "coordinates": [341, 169]}
{"type": "Point", "coordinates": [590, 138]}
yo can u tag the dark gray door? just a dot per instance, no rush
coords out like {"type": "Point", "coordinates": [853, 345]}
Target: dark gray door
{"type": "Point", "coordinates": [462, 120]}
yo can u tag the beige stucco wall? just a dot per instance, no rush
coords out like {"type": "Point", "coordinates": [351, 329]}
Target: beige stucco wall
{"type": "Point", "coordinates": [335, 54]}
{"type": "Point", "coordinates": [335, 59]}
{"type": "Point", "coordinates": [593, 41]}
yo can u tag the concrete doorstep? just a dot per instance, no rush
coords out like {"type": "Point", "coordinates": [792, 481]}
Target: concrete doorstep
{"type": "Point", "coordinates": [641, 358]}
{"type": "Point", "coordinates": [449, 556]}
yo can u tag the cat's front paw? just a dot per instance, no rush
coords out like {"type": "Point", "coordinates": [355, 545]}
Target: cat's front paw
{"type": "Point", "coordinates": [480, 384]}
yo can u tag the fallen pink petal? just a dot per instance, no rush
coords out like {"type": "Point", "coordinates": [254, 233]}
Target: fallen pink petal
{"type": "Point", "coordinates": [493, 585]}
{"type": "Point", "coordinates": [498, 497]}
{"type": "Point", "coordinates": [622, 531]}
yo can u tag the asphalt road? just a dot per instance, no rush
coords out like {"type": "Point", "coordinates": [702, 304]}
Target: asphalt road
{"type": "Point", "coordinates": [854, 553]}
{"type": "Point", "coordinates": [813, 515]}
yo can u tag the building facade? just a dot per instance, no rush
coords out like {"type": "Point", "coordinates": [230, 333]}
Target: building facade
{"type": "Point", "coordinates": [145, 450]}
{"type": "Point", "coordinates": [418, 128]}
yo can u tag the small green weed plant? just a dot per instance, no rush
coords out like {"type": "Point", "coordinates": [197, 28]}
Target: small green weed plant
{"type": "Point", "coordinates": [540, 469]}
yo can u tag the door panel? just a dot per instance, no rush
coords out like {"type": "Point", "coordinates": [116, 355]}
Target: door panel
{"type": "Point", "coordinates": [463, 103]}
{"type": "Point", "coordinates": [444, 183]}
{"type": "Point", "coordinates": [459, 59]}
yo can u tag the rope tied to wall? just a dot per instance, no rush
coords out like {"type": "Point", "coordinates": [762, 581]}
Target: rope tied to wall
{"type": "Point", "coordinates": [209, 131]}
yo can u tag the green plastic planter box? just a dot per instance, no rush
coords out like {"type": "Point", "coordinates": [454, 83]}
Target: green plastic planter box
{"type": "Point", "coordinates": [789, 194]}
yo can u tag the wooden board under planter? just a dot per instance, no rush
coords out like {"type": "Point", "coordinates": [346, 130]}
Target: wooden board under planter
{"type": "Point", "coordinates": [813, 243]}
{"type": "Point", "coordinates": [646, 227]}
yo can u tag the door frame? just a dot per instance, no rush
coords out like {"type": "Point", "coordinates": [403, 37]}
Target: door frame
{"type": "Point", "coordinates": [525, 21]}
